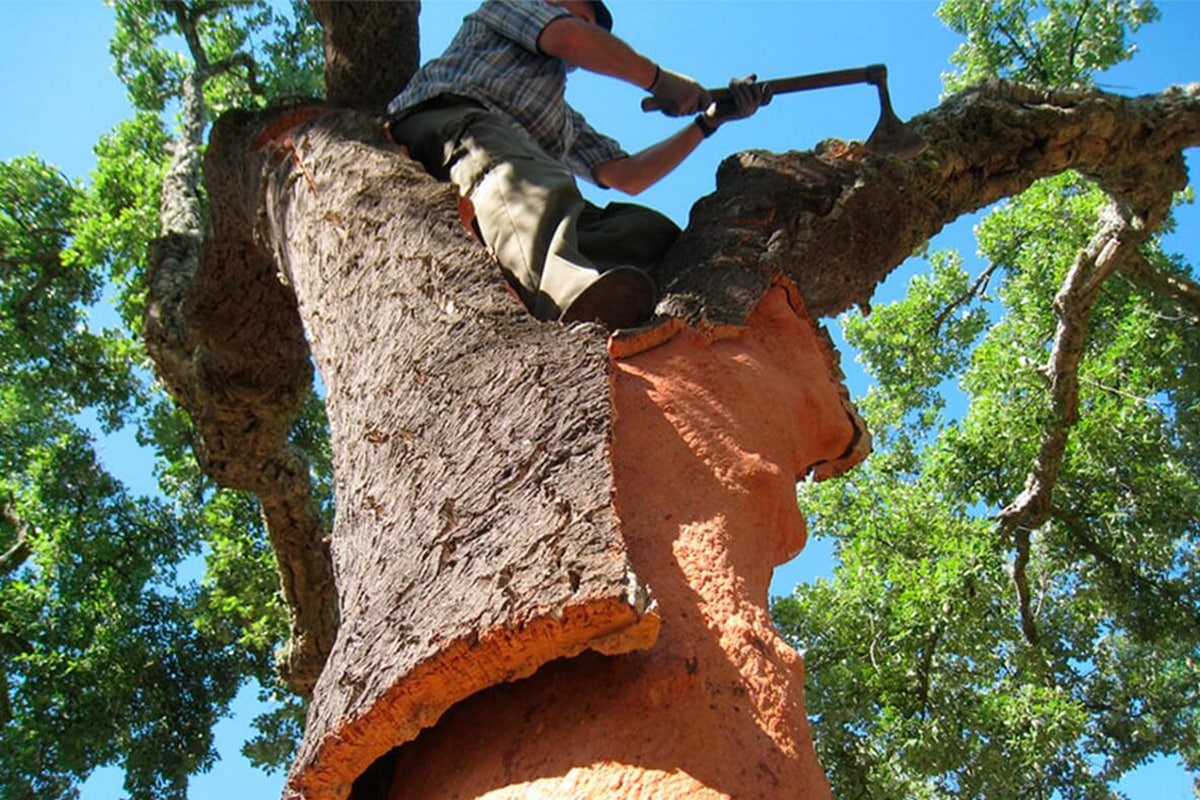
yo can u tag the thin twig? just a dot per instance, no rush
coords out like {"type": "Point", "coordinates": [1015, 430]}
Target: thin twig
{"type": "Point", "coordinates": [1164, 595]}
{"type": "Point", "coordinates": [1033, 60]}
{"type": "Point", "coordinates": [1127, 395]}
{"type": "Point", "coordinates": [973, 291]}
{"type": "Point", "coordinates": [1073, 51]}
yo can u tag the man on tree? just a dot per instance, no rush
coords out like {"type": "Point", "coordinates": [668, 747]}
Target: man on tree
{"type": "Point", "coordinates": [490, 116]}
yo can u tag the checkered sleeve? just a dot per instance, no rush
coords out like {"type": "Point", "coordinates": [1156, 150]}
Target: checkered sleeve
{"type": "Point", "coordinates": [589, 148]}
{"type": "Point", "coordinates": [521, 21]}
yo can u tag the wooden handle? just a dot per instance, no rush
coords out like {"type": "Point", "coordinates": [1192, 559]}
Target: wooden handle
{"type": "Point", "coordinates": [874, 74]}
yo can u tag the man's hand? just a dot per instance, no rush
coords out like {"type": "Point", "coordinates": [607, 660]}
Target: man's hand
{"type": "Point", "coordinates": [746, 96]}
{"type": "Point", "coordinates": [678, 94]}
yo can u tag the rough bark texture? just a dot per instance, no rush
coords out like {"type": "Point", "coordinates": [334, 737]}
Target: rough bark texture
{"type": "Point", "coordinates": [371, 50]}
{"type": "Point", "coordinates": [837, 222]}
{"type": "Point", "coordinates": [475, 537]}
{"type": "Point", "coordinates": [711, 437]}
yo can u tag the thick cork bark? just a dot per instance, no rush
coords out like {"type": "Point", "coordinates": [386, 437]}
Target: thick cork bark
{"type": "Point", "coordinates": [711, 437]}
{"type": "Point", "coordinates": [476, 537]}
{"type": "Point", "coordinates": [504, 489]}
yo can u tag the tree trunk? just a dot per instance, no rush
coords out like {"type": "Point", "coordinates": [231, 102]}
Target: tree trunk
{"type": "Point", "coordinates": [512, 493]}
{"type": "Point", "coordinates": [475, 538]}
{"type": "Point", "coordinates": [710, 437]}
{"type": "Point", "coordinates": [372, 48]}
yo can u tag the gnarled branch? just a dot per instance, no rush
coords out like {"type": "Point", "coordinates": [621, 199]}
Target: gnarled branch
{"type": "Point", "coordinates": [816, 216]}
{"type": "Point", "coordinates": [1120, 233]}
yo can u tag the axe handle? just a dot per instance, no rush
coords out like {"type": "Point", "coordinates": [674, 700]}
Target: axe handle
{"type": "Point", "coordinates": [875, 74]}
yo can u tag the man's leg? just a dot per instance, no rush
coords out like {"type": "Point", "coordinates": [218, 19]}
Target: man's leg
{"type": "Point", "coordinates": [625, 233]}
{"type": "Point", "coordinates": [527, 207]}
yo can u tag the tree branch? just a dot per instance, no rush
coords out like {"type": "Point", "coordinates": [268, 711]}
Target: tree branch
{"type": "Point", "coordinates": [1074, 48]}
{"type": "Point", "coordinates": [1034, 59]}
{"type": "Point", "coordinates": [1020, 577]}
{"type": "Point", "coordinates": [1120, 233]}
{"type": "Point", "coordinates": [230, 349]}
{"type": "Point", "coordinates": [186, 20]}
{"type": "Point", "coordinates": [972, 291]}
{"type": "Point", "coordinates": [243, 60]}
{"type": "Point", "coordinates": [21, 550]}
{"type": "Point", "coordinates": [1164, 595]}
{"type": "Point", "coordinates": [52, 262]}
{"type": "Point", "coordinates": [925, 672]}
{"type": "Point", "coordinates": [1154, 279]}
{"type": "Point", "coordinates": [243, 410]}
{"type": "Point", "coordinates": [813, 216]}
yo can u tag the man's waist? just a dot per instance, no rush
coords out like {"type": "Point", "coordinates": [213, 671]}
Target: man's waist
{"type": "Point", "coordinates": [436, 102]}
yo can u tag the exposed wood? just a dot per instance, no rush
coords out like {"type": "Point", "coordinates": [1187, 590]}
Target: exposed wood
{"type": "Point", "coordinates": [711, 434]}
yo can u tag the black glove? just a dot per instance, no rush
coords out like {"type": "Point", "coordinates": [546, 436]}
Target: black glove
{"type": "Point", "coordinates": [678, 95]}
{"type": "Point", "coordinates": [746, 96]}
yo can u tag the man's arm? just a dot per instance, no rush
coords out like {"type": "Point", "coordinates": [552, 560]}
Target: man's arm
{"type": "Point", "coordinates": [590, 47]}
{"type": "Point", "coordinates": [634, 173]}
{"type": "Point", "coordinates": [637, 172]}
{"type": "Point", "coordinates": [582, 44]}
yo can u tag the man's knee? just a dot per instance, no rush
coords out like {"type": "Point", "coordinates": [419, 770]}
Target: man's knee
{"type": "Point", "coordinates": [659, 232]}
{"type": "Point", "coordinates": [628, 234]}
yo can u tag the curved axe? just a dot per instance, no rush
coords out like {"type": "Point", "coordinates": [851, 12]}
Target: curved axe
{"type": "Point", "coordinates": [891, 137]}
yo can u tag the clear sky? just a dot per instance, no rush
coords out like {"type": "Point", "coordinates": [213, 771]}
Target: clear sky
{"type": "Point", "coordinates": [60, 95]}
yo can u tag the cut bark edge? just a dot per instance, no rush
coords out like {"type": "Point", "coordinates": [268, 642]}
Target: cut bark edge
{"type": "Point", "coordinates": [464, 667]}
{"type": "Point", "coordinates": [627, 343]}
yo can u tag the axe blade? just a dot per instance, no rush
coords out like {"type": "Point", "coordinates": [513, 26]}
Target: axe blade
{"type": "Point", "coordinates": [891, 137]}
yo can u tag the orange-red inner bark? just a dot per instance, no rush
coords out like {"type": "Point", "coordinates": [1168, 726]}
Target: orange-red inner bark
{"type": "Point", "coordinates": [710, 439]}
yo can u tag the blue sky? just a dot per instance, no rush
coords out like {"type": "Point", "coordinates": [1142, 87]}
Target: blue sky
{"type": "Point", "coordinates": [60, 95]}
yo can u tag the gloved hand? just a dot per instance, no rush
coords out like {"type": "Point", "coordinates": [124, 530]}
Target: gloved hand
{"type": "Point", "coordinates": [679, 95]}
{"type": "Point", "coordinates": [746, 96]}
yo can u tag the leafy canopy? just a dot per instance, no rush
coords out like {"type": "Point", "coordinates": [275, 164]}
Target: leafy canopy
{"type": "Point", "coordinates": [111, 651]}
{"type": "Point", "coordinates": [1054, 43]}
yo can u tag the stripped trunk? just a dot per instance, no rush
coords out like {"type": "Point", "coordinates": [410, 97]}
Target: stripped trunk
{"type": "Point", "coordinates": [513, 493]}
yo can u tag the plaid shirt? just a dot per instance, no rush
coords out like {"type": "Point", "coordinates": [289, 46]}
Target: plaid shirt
{"type": "Point", "coordinates": [494, 59]}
